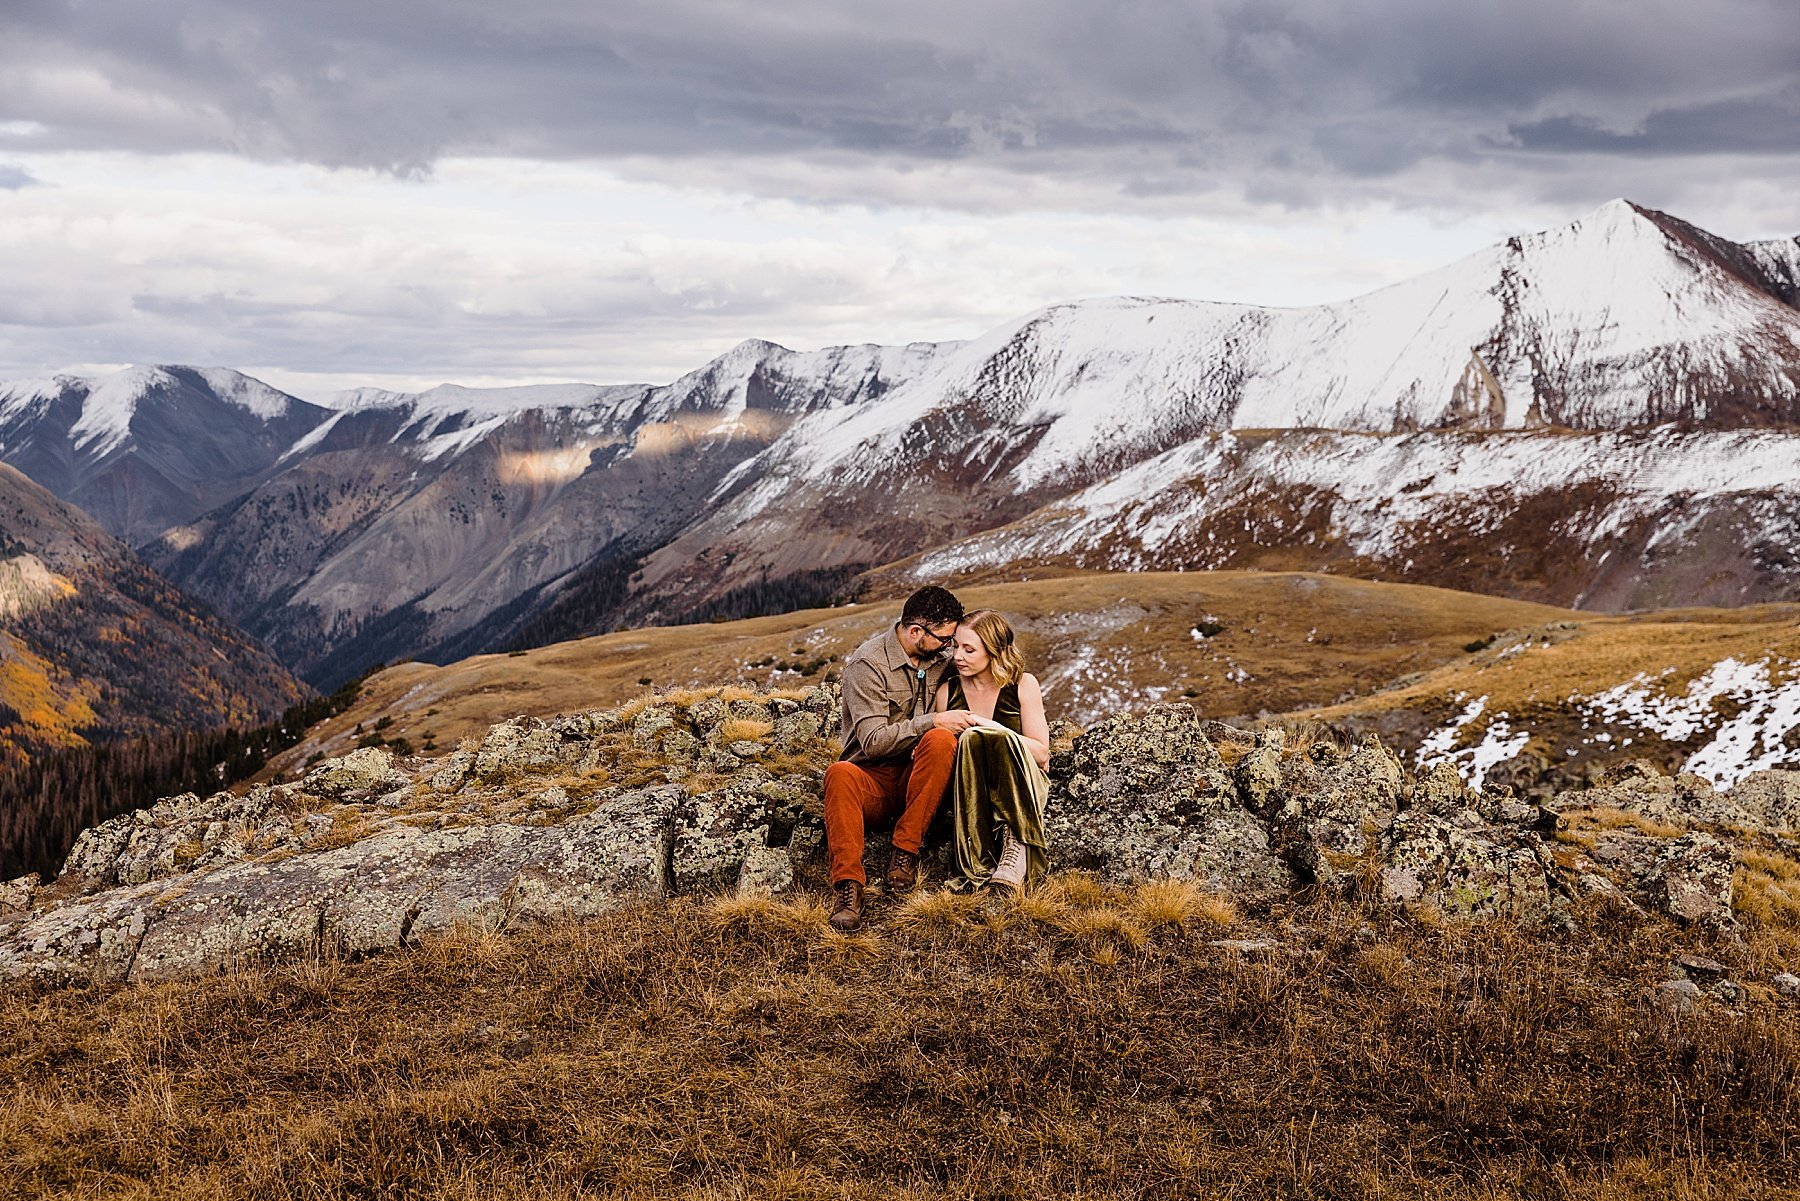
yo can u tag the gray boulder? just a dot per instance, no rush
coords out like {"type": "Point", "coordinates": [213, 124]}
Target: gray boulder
{"type": "Point", "coordinates": [1469, 872]}
{"type": "Point", "coordinates": [185, 833]}
{"type": "Point", "coordinates": [370, 895]}
{"type": "Point", "coordinates": [369, 771]}
{"type": "Point", "coordinates": [1637, 787]}
{"type": "Point", "coordinates": [1148, 797]}
{"type": "Point", "coordinates": [525, 745]}
{"type": "Point", "coordinates": [712, 833]}
{"type": "Point", "coordinates": [1691, 880]}
{"type": "Point", "coordinates": [1771, 798]}
{"type": "Point", "coordinates": [1333, 813]}
{"type": "Point", "coordinates": [17, 895]}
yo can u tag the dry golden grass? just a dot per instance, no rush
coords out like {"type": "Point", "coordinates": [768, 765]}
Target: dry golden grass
{"type": "Point", "coordinates": [1584, 825]}
{"type": "Point", "coordinates": [742, 729]}
{"type": "Point", "coordinates": [1766, 898]}
{"type": "Point", "coordinates": [739, 1048]}
{"type": "Point", "coordinates": [1171, 902]}
{"type": "Point", "coordinates": [1534, 684]}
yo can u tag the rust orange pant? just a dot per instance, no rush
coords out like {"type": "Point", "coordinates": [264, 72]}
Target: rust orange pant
{"type": "Point", "coordinates": [906, 792]}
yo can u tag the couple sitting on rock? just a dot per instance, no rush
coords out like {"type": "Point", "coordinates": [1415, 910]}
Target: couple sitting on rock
{"type": "Point", "coordinates": [939, 704]}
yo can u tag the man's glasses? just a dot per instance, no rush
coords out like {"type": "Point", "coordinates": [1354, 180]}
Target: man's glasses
{"type": "Point", "coordinates": [942, 640]}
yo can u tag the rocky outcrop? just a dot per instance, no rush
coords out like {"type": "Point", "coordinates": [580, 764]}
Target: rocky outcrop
{"type": "Point", "coordinates": [720, 791]}
{"type": "Point", "coordinates": [1140, 797]}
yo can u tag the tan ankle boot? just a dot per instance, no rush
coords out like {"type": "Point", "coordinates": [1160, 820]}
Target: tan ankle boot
{"type": "Point", "coordinates": [1009, 872]}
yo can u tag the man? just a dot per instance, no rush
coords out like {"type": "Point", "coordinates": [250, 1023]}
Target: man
{"type": "Point", "coordinates": [898, 754]}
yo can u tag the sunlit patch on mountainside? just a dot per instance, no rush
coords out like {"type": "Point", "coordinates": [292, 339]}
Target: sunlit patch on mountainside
{"type": "Point", "coordinates": [26, 585]}
{"type": "Point", "coordinates": [557, 466]}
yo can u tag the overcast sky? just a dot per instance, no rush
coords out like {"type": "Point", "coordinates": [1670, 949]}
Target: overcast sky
{"type": "Point", "coordinates": [401, 192]}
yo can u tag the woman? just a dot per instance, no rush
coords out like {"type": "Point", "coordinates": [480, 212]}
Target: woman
{"type": "Point", "coordinates": [999, 781]}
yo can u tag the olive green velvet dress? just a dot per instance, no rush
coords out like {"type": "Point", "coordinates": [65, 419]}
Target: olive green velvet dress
{"type": "Point", "coordinates": [995, 779]}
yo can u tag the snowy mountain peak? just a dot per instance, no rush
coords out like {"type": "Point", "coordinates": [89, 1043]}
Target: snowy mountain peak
{"type": "Point", "coordinates": [111, 402]}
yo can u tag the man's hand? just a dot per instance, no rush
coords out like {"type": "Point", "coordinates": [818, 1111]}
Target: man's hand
{"type": "Point", "coordinates": [955, 720]}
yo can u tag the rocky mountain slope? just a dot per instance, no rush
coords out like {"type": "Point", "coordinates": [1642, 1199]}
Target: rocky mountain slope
{"type": "Point", "coordinates": [94, 644]}
{"type": "Point", "coordinates": [1604, 520]}
{"type": "Point", "coordinates": [1624, 383]}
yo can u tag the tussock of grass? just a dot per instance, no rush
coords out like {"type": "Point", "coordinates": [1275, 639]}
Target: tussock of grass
{"type": "Point", "coordinates": [938, 909]}
{"type": "Point", "coordinates": [741, 1048]}
{"type": "Point", "coordinates": [1171, 902]}
{"type": "Point", "coordinates": [742, 729]}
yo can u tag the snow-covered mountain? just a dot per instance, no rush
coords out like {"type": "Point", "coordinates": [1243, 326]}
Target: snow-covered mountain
{"type": "Point", "coordinates": [1625, 318]}
{"type": "Point", "coordinates": [1610, 519]}
{"type": "Point", "coordinates": [148, 447]}
{"type": "Point", "coordinates": [442, 520]}
{"type": "Point", "coordinates": [1598, 373]}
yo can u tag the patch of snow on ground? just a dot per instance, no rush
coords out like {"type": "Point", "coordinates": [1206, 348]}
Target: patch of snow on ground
{"type": "Point", "coordinates": [1752, 740]}
{"type": "Point", "coordinates": [1678, 718]}
{"type": "Point", "coordinates": [1499, 742]}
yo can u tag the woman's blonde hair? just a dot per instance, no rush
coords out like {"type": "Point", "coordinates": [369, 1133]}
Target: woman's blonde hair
{"type": "Point", "coordinates": [996, 636]}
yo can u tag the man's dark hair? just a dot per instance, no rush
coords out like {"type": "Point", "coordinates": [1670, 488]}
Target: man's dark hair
{"type": "Point", "coordinates": [931, 606]}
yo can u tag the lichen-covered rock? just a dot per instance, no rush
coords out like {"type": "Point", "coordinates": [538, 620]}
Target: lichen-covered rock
{"type": "Point", "coordinates": [825, 702]}
{"type": "Point", "coordinates": [1771, 798]}
{"type": "Point", "coordinates": [1692, 880]}
{"type": "Point", "coordinates": [1164, 734]}
{"type": "Point", "coordinates": [1231, 854]}
{"type": "Point", "coordinates": [714, 831]}
{"type": "Point", "coordinates": [752, 711]}
{"type": "Point", "coordinates": [649, 725]}
{"type": "Point", "coordinates": [765, 870]}
{"type": "Point", "coordinates": [1258, 773]}
{"type": "Point", "coordinates": [369, 895]}
{"type": "Point", "coordinates": [1331, 814]}
{"type": "Point", "coordinates": [1498, 805]}
{"type": "Point", "coordinates": [796, 731]}
{"type": "Point", "coordinates": [454, 771]}
{"type": "Point", "coordinates": [1681, 800]}
{"type": "Point", "coordinates": [365, 772]}
{"type": "Point", "coordinates": [1484, 872]}
{"type": "Point", "coordinates": [681, 744]}
{"type": "Point", "coordinates": [1440, 790]}
{"type": "Point", "coordinates": [17, 895]}
{"type": "Point", "coordinates": [1150, 798]}
{"type": "Point", "coordinates": [185, 832]}
{"type": "Point", "coordinates": [529, 744]}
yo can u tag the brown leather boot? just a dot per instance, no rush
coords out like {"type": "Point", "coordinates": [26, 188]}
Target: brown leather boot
{"type": "Point", "coordinates": [902, 872]}
{"type": "Point", "coordinates": [847, 916]}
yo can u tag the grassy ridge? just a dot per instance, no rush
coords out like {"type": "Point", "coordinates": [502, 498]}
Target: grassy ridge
{"type": "Point", "coordinates": [1087, 1042]}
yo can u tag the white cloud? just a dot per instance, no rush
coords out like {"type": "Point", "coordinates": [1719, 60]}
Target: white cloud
{"type": "Point", "coordinates": [500, 271]}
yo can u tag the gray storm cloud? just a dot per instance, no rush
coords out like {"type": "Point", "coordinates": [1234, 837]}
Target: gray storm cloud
{"type": "Point", "coordinates": [1270, 96]}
